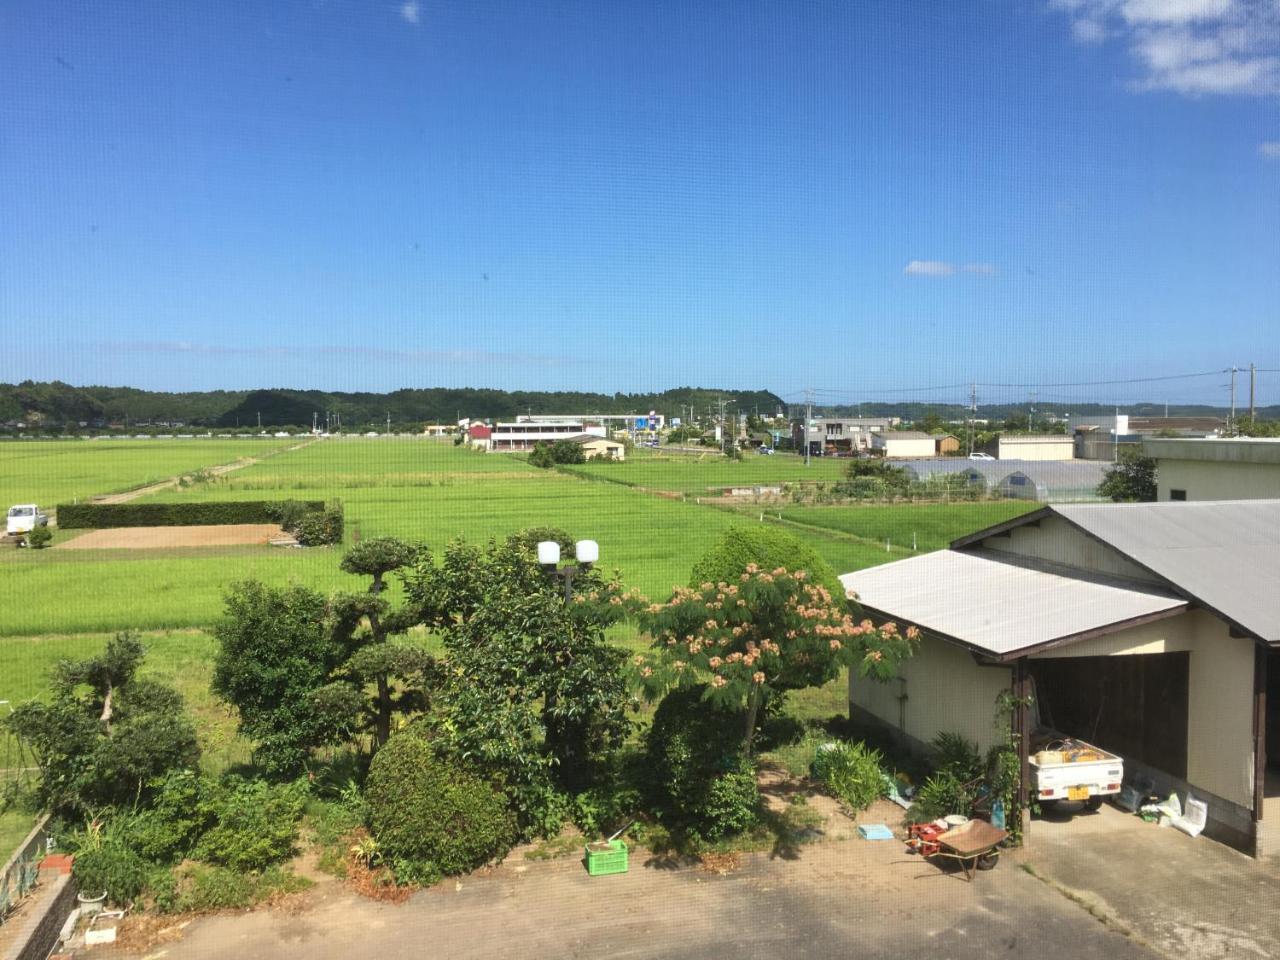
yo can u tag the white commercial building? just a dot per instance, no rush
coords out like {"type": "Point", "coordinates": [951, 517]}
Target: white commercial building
{"type": "Point", "coordinates": [1238, 468]}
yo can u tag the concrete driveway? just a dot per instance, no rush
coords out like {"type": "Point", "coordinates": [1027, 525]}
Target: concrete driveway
{"type": "Point", "coordinates": [838, 898]}
{"type": "Point", "coordinates": [1189, 899]}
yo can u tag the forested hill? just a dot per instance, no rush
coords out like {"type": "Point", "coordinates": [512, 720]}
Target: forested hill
{"type": "Point", "coordinates": [57, 404]}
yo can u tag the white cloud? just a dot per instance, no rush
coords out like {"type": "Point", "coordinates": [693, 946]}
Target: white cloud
{"type": "Point", "coordinates": [929, 268]}
{"type": "Point", "coordinates": [409, 10]}
{"type": "Point", "coordinates": [1192, 47]}
{"type": "Point", "coordinates": [942, 268]}
{"type": "Point", "coordinates": [1270, 149]}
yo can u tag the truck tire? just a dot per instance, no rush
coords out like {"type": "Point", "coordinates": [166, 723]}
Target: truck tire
{"type": "Point", "coordinates": [1093, 804]}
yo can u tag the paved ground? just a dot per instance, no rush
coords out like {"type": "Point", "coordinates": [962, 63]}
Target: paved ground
{"type": "Point", "coordinates": [839, 898]}
{"type": "Point", "coordinates": [154, 538]}
{"type": "Point", "coordinates": [1190, 899]}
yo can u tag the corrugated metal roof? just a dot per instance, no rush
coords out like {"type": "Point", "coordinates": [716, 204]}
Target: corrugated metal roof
{"type": "Point", "coordinates": [1000, 605]}
{"type": "Point", "coordinates": [1225, 554]}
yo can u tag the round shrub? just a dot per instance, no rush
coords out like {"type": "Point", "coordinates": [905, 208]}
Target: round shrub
{"type": "Point", "coordinates": [113, 869]}
{"type": "Point", "coordinates": [851, 772]}
{"type": "Point", "coordinates": [768, 548]}
{"type": "Point", "coordinates": [38, 537]}
{"type": "Point", "coordinates": [431, 818]}
{"type": "Point", "coordinates": [700, 778]}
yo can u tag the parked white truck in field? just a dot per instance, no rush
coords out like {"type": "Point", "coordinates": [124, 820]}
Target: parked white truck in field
{"type": "Point", "coordinates": [23, 518]}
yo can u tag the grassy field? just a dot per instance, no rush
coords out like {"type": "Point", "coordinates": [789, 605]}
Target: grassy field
{"type": "Point", "coordinates": [930, 526]}
{"type": "Point", "coordinates": [694, 474]}
{"type": "Point", "coordinates": [58, 471]}
{"type": "Point", "coordinates": [431, 492]}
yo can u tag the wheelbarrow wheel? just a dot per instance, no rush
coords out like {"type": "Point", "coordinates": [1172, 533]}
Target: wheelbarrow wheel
{"type": "Point", "coordinates": [988, 860]}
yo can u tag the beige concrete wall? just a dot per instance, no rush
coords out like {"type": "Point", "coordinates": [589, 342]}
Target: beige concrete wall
{"type": "Point", "coordinates": [1011, 448]}
{"type": "Point", "coordinates": [1223, 480]}
{"type": "Point", "coordinates": [1057, 541]}
{"type": "Point", "coordinates": [946, 693]}
{"type": "Point", "coordinates": [605, 448]}
{"type": "Point", "coordinates": [1220, 703]}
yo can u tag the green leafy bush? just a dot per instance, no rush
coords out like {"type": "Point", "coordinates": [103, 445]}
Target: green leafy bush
{"type": "Point", "coordinates": [168, 830]}
{"type": "Point", "coordinates": [111, 868]}
{"type": "Point", "coordinates": [957, 755]}
{"type": "Point", "coordinates": [184, 514]}
{"type": "Point", "coordinates": [38, 537]}
{"type": "Point", "coordinates": [255, 824]}
{"type": "Point", "coordinates": [852, 772]}
{"type": "Point", "coordinates": [323, 527]}
{"type": "Point", "coordinates": [201, 888]}
{"type": "Point", "coordinates": [430, 817]}
{"type": "Point", "coordinates": [939, 796]}
{"type": "Point", "coordinates": [768, 548]}
{"type": "Point", "coordinates": [692, 746]}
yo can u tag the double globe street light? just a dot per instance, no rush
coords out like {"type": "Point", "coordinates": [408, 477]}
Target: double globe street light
{"type": "Point", "coordinates": [586, 552]}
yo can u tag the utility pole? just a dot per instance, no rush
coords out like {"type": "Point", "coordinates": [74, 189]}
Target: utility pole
{"type": "Point", "coordinates": [388, 421]}
{"type": "Point", "coordinates": [259, 419]}
{"type": "Point", "coordinates": [1253, 375]}
{"type": "Point", "coordinates": [808, 420]}
{"type": "Point", "coordinates": [1031, 418]}
{"type": "Point", "coordinates": [1232, 422]}
{"type": "Point", "coordinates": [973, 412]}
{"type": "Point", "coordinates": [313, 421]}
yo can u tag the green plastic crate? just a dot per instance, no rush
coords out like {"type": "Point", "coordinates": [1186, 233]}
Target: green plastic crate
{"type": "Point", "coordinates": [604, 861]}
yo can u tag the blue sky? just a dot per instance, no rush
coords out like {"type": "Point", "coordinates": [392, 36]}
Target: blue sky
{"type": "Point", "coordinates": [864, 198]}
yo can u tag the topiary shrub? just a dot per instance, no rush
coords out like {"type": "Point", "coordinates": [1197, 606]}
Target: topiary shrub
{"type": "Point", "coordinates": [700, 779]}
{"type": "Point", "coordinates": [432, 818]}
{"type": "Point", "coordinates": [768, 548]}
{"type": "Point", "coordinates": [38, 537]}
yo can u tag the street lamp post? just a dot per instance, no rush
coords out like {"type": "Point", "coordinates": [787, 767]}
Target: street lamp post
{"type": "Point", "coordinates": [587, 552]}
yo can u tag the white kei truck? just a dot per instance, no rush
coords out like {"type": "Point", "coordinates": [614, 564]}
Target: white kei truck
{"type": "Point", "coordinates": [1068, 768]}
{"type": "Point", "coordinates": [23, 518]}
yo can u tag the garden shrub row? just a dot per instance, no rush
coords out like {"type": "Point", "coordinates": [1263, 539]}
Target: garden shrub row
{"type": "Point", "coordinates": [105, 515]}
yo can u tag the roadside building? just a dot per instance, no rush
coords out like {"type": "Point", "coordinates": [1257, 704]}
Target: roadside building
{"type": "Point", "coordinates": [946, 445]}
{"type": "Point", "coordinates": [480, 435]}
{"type": "Point", "coordinates": [527, 434]}
{"type": "Point", "coordinates": [1049, 446]}
{"type": "Point", "coordinates": [1150, 630]}
{"type": "Point", "coordinates": [599, 447]}
{"type": "Point", "coordinates": [1102, 437]}
{"type": "Point", "coordinates": [839, 436]}
{"type": "Point", "coordinates": [895, 444]}
{"type": "Point", "coordinates": [1238, 468]}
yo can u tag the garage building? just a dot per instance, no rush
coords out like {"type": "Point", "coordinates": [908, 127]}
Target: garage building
{"type": "Point", "coordinates": [1147, 629]}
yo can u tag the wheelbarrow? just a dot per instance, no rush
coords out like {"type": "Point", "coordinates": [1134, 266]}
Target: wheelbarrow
{"type": "Point", "coordinates": [976, 845]}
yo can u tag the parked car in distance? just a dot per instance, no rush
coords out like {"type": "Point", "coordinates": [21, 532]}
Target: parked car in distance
{"type": "Point", "coordinates": [23, 518]}
{"type": "Point", "coordinates": [981, 456]}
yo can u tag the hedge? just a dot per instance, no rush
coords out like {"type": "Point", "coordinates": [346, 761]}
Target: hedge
{"type": "Point", "coordinates": [72, 516]}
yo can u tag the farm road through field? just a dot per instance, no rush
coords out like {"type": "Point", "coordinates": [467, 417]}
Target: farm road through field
{"type": "Point", "coordinates": [837, 899]}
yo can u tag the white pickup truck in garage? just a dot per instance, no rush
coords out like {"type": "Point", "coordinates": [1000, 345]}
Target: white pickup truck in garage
{"type": "Point", "coordinates": [1065, 768]}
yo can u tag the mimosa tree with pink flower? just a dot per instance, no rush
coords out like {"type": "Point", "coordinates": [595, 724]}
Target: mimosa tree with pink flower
{"type": "Point", "coordinates": [769, 631]}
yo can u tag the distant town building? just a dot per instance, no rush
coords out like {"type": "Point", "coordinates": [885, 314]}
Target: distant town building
{"type": "Point", "coordinates": [1238, 468]}
{"type": "Point", "coordinates": [599, 447]}
{"type": "Point", "coordinates": [1097, 437]}
{"type": "Point", "coordinates": [527, 434]}
{"type": "Point", "coordinates": [1050, 446]}
{"type": "Point", "coordinates": [903, 443]}
{"type": "Point", "coordinates": [946, 444]}
{"type": "Point", "coordinates": [832, 436]}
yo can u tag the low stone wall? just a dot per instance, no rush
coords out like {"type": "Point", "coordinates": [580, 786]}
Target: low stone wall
{"type": "Point", "coordinates": [38, 929]}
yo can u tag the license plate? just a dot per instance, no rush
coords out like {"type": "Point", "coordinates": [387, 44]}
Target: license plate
{"type": "Point", "coordinates": [1077, 793]}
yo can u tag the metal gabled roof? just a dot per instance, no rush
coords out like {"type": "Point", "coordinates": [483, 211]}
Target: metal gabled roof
{"type": "Point", "coordinates": [1000, 605]}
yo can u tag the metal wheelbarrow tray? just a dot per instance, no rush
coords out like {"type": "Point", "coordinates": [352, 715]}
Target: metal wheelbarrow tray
{"type": "Point", "coordinates": [975, 844]}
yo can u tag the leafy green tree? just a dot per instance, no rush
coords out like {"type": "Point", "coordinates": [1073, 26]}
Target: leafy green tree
{"type": "Point", "coordinates": [1246, 426]}
{"type": "Point", "coordinates": [105, 745]}
{"type": "Point", "coordinates": [533, 690]}
{"type": "Point", "coordinates": [764, 632]}
{"type": "Point", "coordinates": [892, 478]}
{"type": "Point", "coordinates": [1131, 480]}
{"type": "Point", "coordinates": [767, 547]}
{"type": "Point", "coordinates": [276, 651]}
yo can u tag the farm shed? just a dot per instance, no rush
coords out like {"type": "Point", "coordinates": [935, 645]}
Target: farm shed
{"type": "Point", "coordinates": [903, 443]}
{"type": "Point", "coordinates": [1032, 447]}
{"type": "Point", "coordinates": [1149, 629]}
{"type": "Point", "coordinates": [945, 444]}
{"type": "Point", "coordinates": [1240, 468]}
{"type": "Point", "coordinates": [594, 446]}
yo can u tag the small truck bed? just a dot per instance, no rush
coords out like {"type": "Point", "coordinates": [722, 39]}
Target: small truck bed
{"type": "Point", "coordinates": [1067, 768]}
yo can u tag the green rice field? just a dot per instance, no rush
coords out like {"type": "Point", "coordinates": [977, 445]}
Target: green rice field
{"type": "Point", "coordinates": [701, 474]}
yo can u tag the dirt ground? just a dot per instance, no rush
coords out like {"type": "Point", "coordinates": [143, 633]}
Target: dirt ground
{"type": "Point", "coordinates": [830, 898]}
{"type": "Point", "coordinates": [151, 538]}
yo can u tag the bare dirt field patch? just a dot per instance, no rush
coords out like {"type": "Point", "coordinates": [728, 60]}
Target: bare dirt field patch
{"type": "Point", "coordinates": [153, 538]}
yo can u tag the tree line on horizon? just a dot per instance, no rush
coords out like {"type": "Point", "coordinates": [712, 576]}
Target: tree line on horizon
{"type": "Point", "coordinates": [61, 405]}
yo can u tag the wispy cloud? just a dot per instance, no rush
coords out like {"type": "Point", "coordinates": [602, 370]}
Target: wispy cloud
{"type": "Point", "coordinates": [942, 268]}
{"type": "Point", "coordinates": [173, 348]}
{"type": "Point", "coordinates": [1192, 47]}
{"type": "Point", "coordinates": [410, 12]}
{"type": "Point", "coordinates": [1270, 149]}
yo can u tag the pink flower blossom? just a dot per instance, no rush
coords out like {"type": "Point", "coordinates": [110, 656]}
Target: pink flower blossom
{"type": "Point", "coordinates": [718, 681]}
{"type": "Point", "coordinates": [758, 676]}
